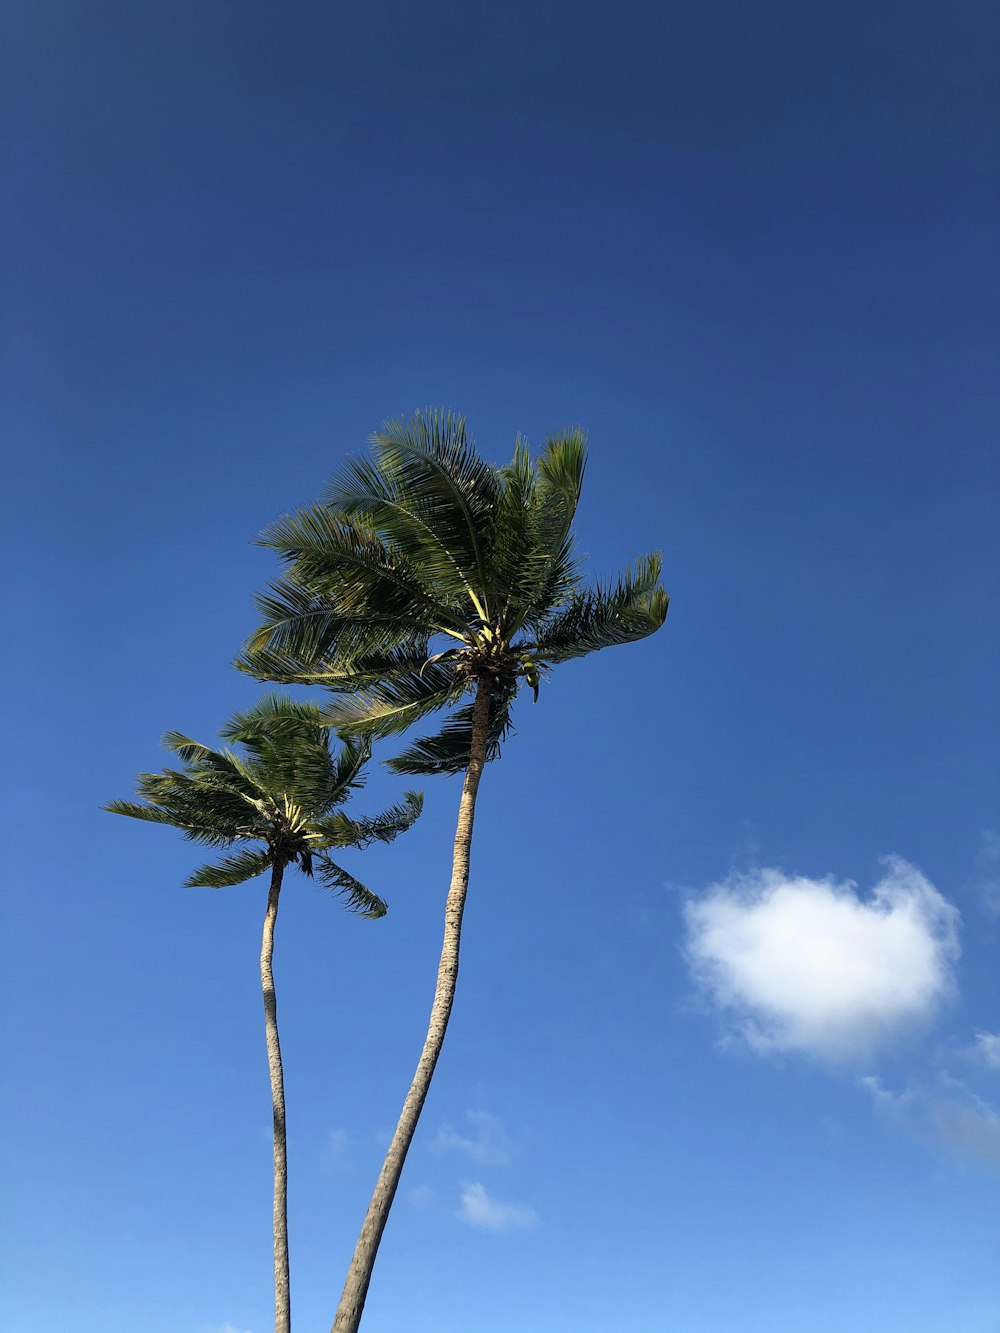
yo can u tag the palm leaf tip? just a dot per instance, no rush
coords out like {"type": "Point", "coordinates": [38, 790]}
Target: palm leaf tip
{"type": "Point", "coordinates": [135, 810]}
{"type": "Point", "coordinates": [387, 826]}
{"type": "Point", "coordinates": [355, 896]}
{"type": "Point", "coordinates": [230, 870]}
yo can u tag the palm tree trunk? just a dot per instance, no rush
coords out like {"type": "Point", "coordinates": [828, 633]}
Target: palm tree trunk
{"type": "Point", "coordinates": [282, 1306]}
{"type": "Point", "coordinates": [352, 1301]}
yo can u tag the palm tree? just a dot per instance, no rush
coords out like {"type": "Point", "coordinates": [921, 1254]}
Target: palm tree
{"type": "Point", "coordinates": [425, 577]}
{"type": "Point", "coordinates": [275, 805]}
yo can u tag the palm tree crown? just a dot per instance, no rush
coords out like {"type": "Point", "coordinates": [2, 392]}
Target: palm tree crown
{"type": "Point", "coordinates": [275, 804]}
{"type": "Point", "coordinates": [426, 572]}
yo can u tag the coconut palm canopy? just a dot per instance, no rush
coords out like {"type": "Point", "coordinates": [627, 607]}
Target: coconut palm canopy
{"type": "Point", "coordinates": [277, 803]}
{"type": "Point", "coordinates": [426, 570]}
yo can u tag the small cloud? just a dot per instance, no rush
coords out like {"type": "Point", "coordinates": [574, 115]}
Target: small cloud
{"type": "Point", "coordinates": [335, 1147]}
{"type": "Point", "coordinates": [807, 965]}
{"type": "Point", "coordinates": [488, 1143]}
{"type": "Point", "coordinates": [987, 873]}
{"type": "Point", "coordinates": [882, 1097]}
{"type": "Point", "coordinates": [987, 1049]}
{"type": "Point", "coordinates": [944, 1113]}
{"type": "Point", "coordinates": [969, 1127]}
{"type": "Point", "coordinates": [480, 1210]}
{"type": "Point", "coordinates": [222, 1328]}
{"type": "Point", "coordinates": [420, 1197]}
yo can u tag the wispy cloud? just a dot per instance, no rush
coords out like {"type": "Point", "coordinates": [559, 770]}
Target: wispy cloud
{"type": "Point", "coordinates": [488, 1142]}
{"type": "Point", "coordinates": [946, 1114]}
{"type": "Point", "coordinates": [479, 1209]}
{"type": "Point", "coordinates": [222, 1328]}
{"type": "Point", "coordinates": [335, 1148]}
{"type": "Point", "coordinates": [987, 873]}
{"type": "Point", "coordinates": [807, 965]}
{"type": "Point", "coordinates": [987, 1049]}
{"type": "Point", "coordinates": [421, 1196]}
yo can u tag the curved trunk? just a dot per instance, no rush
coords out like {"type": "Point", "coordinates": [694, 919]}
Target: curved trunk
{"type": "Point", "coordinates": [352, 1301]}
{"type": "Point", "coordinates": [282, 1307]}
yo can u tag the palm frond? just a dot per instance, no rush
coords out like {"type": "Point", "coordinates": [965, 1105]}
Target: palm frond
{"type": "Point", "coordinates": [355, 570]}
{"type": "Point", "coordinates": [394, 705]}
{"type": "Point", "coordinates": [301, 621]}
{"type": "Point", "coordinates": [355, 896]}
{"type": "Point", "coordinates": [634, 607]}
{"type": "Point", "coordinates": [272, 715]}
{"type": "Point", "coordinates": [448, 750]}
{"type": "Point", "coordinates": [349, 769]}
{"type": "Point", "coordinates": [341, 676]}
{"type": "Point", "coordinates": [512, 554]}
{"type": "Point", "coordinates": [343, 831]}
{"type": "Point", "coordinates": [533, 553]}
{"type": "Point", "coordinates": [203, 809]}
{"type": "Point", "coordinates": [430, 497]}
{"type": "Point", "coordinates": [184, 747]}
{"type": "Point", "coordinates": [207, 766]}
{"type": "Point", "coordinates": [152, 814]}
{"type": "Point", "coordinates": [560, 480]}
{"type": "Point", "coordinates": [235, 869]}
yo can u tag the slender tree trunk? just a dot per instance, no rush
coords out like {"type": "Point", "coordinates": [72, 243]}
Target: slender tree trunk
{"type": "Point", "coordinates": [352, 1301]}
{"type": "Point", "coordinates": [282, 1305]}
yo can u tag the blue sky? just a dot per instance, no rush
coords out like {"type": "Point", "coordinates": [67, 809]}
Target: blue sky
{"type": "Point", "coordinates": [716, 1064]}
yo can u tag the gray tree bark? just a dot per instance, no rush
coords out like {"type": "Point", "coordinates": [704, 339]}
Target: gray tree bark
{"type": "Point", "coordinates": [282, 1304]}
{"type": "Point", "coordinates": [352, 1301]}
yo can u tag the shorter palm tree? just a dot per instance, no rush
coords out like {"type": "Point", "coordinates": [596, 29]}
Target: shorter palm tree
{"type": "Point", "coordinates": [273, 806]}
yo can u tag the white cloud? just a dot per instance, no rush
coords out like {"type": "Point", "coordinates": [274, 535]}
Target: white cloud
{"type": "Point", "coordinates": [987, 1049]}
{"type": "Point", "coordinates": [987, 873]}
{"type": "Point", "coordinates": [422, 1196]}
{"type": "Point", "coordinates": [222, 1328]}
{"type": "Point", "coordinates": [798, 964]}
{"type": "Point", "coordinates": [335, 1148]}
{"type": "Point", "coordinates": [488, 1143]}
{"type": "Point", "coordinates": [480, 1210]}
{"type": "Point", "coordinates": [970, 1128]}
{"type": "Point", "coordinates": [945, 1113]}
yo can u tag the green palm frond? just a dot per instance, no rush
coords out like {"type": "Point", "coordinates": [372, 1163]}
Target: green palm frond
{"type": "Point", "coordinates": [235, 869]}
{"type": "Point", "coordinates": [356, 897]}
{"type": "Point", "coordinates": [634, 607]}
{"type": "Point", "coordinates": [355, 570]}
{"type": "Point", "coordinates": [560, 480]}
{"type": "Point", "coordinates": [206, 764]}
{"type": "Point", "coordinates": [394, 705]}
{"type": "Point", "coordinates": [513, 557]}
{"type": "Point", "coordinates": [184, 747]}
{"type": "Point", "coordinates": [274, 715]}
{"type": "Point", "coordinates": [448, 750]}
{"type": "Point", "coordinates": [300, 619]}
{"type": "Point", "coordinates": [151, 813]}
{"type": "Point", "coordinates": [560, 471]}
{"type": "Point", "coordinates": [342, 831]}
{"type": "Point", "coordinates": [349, 771]}
{"type": "Point", "coordinates": [429, 495]}
{"type": "Point", "coordinates": [340, 675]}
{"type": "Point", "coordinates": [204, 811]}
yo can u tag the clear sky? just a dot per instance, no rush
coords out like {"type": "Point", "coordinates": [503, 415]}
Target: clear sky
{"type": "Point", "coordinates": [715, 1066]}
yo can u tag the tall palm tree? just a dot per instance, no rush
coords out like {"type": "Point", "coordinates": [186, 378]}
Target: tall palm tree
{"type": "Point", "coordinates": [428, 579]}
{"type": "Point", "coordinates": [276, 805]}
